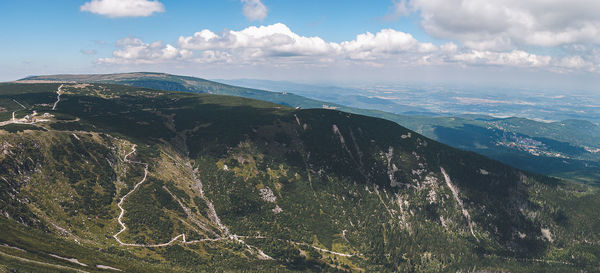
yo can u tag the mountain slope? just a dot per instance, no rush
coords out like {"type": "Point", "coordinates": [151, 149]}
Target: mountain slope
{"type": "Point", "coordinates": [567, 149]}
{"type": "Point", "coordinates": [161, 81]}
{"type": "Point", "coordinates": [144, 180]}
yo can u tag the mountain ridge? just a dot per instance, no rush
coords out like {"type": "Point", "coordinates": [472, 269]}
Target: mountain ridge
{"type": "Point", "coordinates": [301, 186]}
{"type": "Point", "coordinates": [569, 152]}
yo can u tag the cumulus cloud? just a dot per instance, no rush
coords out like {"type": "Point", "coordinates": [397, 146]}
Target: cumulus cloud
{"type": "Point", "coordinates": [254, 10]}
{"type": "Point", "coordinates": [275, 40]}
{"type": "Point", "coordinates": [385, 41]}
{"type": "Point", "coordinates": [384, 44]}
{"type": "Point", "coordinates": [135, 51]}
{"type": "Point", "coordinates": [123, 8]}
{"type": "Point", "coordinates": [502, 24]}
{"type": "Point", "coordinates": [516, 58]}
{"type": "Point", "coordinates": [278, 41]}
{"type": "Point", "coordinates": [277, 45]}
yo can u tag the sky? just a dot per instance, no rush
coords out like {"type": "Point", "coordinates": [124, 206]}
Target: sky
{"type": "Point", "coordinates": [529, 43]}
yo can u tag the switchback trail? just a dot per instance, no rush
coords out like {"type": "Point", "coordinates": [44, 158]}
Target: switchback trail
{"type": "Point", "coordinates": [181, 237]}
{"type": "Point", "coordinates": [212, 215]}
{"type": "Point", "coordinates": [120, 205]}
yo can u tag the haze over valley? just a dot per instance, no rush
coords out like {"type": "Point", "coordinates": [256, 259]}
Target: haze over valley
{"type": "Point", "coordinates": [449, 99]}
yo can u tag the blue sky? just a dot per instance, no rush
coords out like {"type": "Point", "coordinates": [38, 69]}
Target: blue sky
{"type": "Point", "coordinates": [310, 41]}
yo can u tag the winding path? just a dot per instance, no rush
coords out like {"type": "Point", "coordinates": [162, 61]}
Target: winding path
{"type": "Point", "coordinates": [58, 92]}
{"type": "Point", "coordinates": [307, 245]}
{"type": "Point", "coordinates": [120, 205]}
{"type": "Point", "coordinates": [212, 215]}
{"type": "Point", "coordinates": [32, 120]}
{"type": "Point", "coordinates": [181, 237]}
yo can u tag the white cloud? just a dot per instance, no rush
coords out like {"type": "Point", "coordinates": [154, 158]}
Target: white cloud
{"type": "Point", "coordinates": [503, 24]}
{"type": "Point", "coordinates": [386, 45]}
{"type": "Point", "coordinates": [123, 8]}
{"type": "Point", "coordinates": [280, 44]}
{"type": "Point", "coordinates": [513, 58]}
{"type": "Point", "coordinates": [574, 62]}
{"type": "Point", "coordinates": [275, 40]}
{"type": "Point", "coordinates": [276, 45]}
{"type": "Point", "coordinates": [494, 43]}
{"type": "Point", "coordinates": [135, 51]}
{"type": "Point", "coordinates": [590, 62]}
{"type": "Point", "coordinates": [400, 8]}
{"type": "Point", "coordinates": [449, 48]}
{"type": "Point", "coordinates": [254, 10]}
{"type": "Point", "coordinates": [385, 41]}
{"type": "Point", "coordinates": [212, 56]}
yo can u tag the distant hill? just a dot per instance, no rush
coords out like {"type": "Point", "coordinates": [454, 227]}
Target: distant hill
{"type": "Point", "coordinates": [169, 82]}
{"type": "Point", "coordinates": [102, 177]}
{"type": "Point", "coordinates": [568, 149]}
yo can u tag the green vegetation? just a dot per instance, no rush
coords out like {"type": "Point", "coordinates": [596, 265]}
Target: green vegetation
{"type": "Point", "coordinates": [236, 184]}
{"type": "Point", "coordinates": [13, 128]}
{"type": "Point", "coordinates": [567, 149]}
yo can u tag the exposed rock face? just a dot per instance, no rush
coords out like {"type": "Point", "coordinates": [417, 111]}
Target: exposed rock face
{"type": "Point", "coordinates": [212, 183]}
{"type": "Point", "coordinates": [267, 195]}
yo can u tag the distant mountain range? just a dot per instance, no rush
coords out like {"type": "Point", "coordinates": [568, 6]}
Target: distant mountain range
{"type": "Point", "coordinates": [100, 177]}
{"type": "Point", "coordinates": [568, 149]}
{"type": "Point", "coordinates": [435, 99]}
